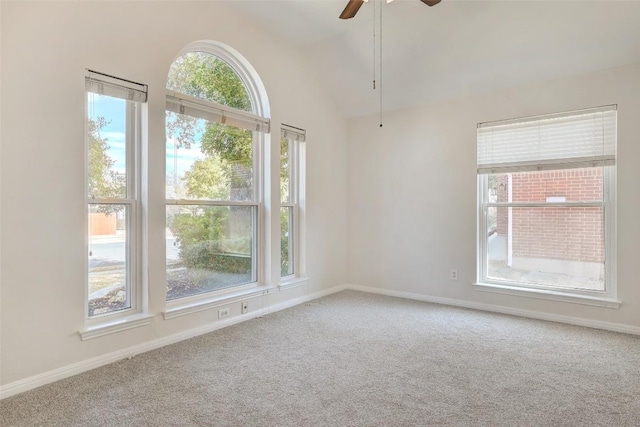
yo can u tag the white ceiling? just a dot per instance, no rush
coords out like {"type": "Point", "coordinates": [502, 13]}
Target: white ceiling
{"type": "Point", "coordinates": [454, 49]}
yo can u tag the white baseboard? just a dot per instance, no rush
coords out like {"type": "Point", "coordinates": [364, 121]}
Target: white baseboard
{"type": "Point", "coordinates": [35, 381]}
{"type": "Point", "coordinates": [596, 324]}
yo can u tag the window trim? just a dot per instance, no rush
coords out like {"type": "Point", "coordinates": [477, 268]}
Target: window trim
{"type": "Point", "coordinates": [607, 298]}
{"type": "Point", "coordinates": [132, 199]}
{"type": "Point", "coordinates": [244, 69]}
{"type": "Point", "coordinates": [195, 303]}
{"type": "Point", "coordinates": [297, 157]}
{"type": "Point", "coordinates": [517, 288]}
{"type": "Point", "coordinates": [114, 325]}
{"type": "Point", "coordinates": [546, 294]}
{"type": "Point", "coordinates": [260, 109]}
{"type": "Point", "coordinates": [292, 205]}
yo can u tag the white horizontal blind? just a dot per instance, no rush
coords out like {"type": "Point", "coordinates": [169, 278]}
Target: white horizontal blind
{"type": "Point", "coordinates": [214, 112]}
{"type": "Point", "coordinates": [293, 133]}
{"type": "Point", "coordinates": [116, 88]}
{"type": "Point", "coordinates": [574, 139]}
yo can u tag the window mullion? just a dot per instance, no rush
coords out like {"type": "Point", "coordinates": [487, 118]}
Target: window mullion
{"type": "Point", "coordinates": [111, 201]}
{"type": "Point", "coordinates": [188, 202]}
{"type": "Point", "coordinates": [545, 204]}
{"type": "Point", "coordinates": [482, 225]}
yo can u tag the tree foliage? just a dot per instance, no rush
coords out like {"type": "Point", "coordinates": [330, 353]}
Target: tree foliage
{"type": "Point", "coordinates": [232, 144]}
{"type": "Point", "coordinates": [224, 172]}
{"type": "Point", "coordinates": [202, 234]}
{"type": "Point", "coordinates": [206, 76]}
{"type": "Point", "coordinates": [285, 179]}
{"type": "Point", "coordinates": [205, 179]}
{"type": "Point", "coordinates": [284, 242]}
{"type": "Point", "coordinates": [207, 224]}
{"type": "Point", "coordinates": [104, 183]}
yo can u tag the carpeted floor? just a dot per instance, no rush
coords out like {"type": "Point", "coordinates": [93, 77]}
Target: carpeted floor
{"type": "Point", "coordinates": [355, 359]}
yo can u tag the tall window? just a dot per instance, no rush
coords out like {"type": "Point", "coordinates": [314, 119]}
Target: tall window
{"type": "Point", "coordinates": [546, 202]}
{"type": "Point", "coordinates": [112, 183]}
{"type": "Point", "coordinates": [213, 181]}
{"type": "Point", "coordinates": [291, 191]}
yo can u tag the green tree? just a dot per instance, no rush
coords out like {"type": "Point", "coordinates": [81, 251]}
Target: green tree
{"type": "Point", "coordinates": [104, 183]}
{"type": "Point", "coordinates": [225, 172]}
{"type": "Point", "coordinates": [284, 170]}
{"type": "Point", "coordinates": [208, 77]}
{"type": "Point", "coordinates": [201, 224]}
{"type": "Point", "coordinates": [205, 179]}
{"type": "Point", "coordinates": [284, 242]}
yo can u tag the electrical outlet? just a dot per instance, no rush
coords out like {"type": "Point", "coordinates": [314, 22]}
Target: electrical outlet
{"type": "Point", "coordinates": [454, 274]}
{"type": "Point", "coordinates": [244, 306]}
{"type": "Point", "coordinates": [223, 312]}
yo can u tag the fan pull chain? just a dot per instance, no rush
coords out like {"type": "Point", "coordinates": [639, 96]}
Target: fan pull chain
{"type": "Point", "coordinates": [381, 66]}
{"type": "Point", "coordinates": [374, 45]}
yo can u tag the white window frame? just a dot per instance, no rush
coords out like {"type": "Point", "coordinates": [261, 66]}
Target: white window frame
{"type": "Point", "coordinates": [606, 298]}
{"type": "Point", "coordinates": [135, 315]}
{"type": "Point", "coordinates": [216, 112]}
{"type": "Point", "coordinates": [296, 141]}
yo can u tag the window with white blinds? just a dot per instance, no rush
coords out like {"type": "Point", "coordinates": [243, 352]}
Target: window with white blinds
{"type": "Point", "coordinates": [293, 134]}
{"type": "Point", "coordinates": [103, 84]}
{"type": "Point", "coordinates": [113, 122]}
{"type": "Point", "coordinates": [568, 140]}
{"type": "Point", "coordinates": [546, 206]}
{"type": "Point", "coordinates": [216, 113]}
{"type": "Point", "coordinates": [214, 187]}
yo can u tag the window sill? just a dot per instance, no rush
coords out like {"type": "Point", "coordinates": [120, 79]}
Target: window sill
{"type": "Point", "coordinates": [188, 306]}
{"type": "Point", "coordinates": [293, 282]}
{"type": "Point", "coordinates": [115, 326]}
{"type": "Point", "coordinates": [548, 295]}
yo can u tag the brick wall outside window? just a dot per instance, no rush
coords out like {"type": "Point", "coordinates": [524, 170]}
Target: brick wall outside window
{"type": "Point", "coordinates": [574, 234]}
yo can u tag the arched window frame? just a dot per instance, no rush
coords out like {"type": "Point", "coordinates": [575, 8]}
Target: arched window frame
{"type": "Point", "coordinates": [249, 76]}
{"type": "Point", "coordinates": [255, 89]}
{"type": "Point", "coordinates": [260, 108]}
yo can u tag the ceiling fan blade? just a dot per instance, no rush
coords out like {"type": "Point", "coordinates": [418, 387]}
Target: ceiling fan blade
{"type": "Point", "coordinates": [351, 9]}
{"type": "Point", "coordinates": [430, 2]}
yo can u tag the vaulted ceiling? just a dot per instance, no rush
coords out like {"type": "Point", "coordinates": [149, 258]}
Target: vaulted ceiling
{"type": "Point", "coordinates": [455, 49]}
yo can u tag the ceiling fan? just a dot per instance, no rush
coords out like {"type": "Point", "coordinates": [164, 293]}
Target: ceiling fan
{"type": "Point", "coordinates": [354, 5]}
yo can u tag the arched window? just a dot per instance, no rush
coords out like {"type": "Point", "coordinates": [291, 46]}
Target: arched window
{"type": "Point", "coordinates": [215, 121]}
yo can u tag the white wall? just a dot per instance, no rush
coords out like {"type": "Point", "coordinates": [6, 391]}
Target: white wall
{"type": "Point", "coordinates": [45, 50]}
{"type": "Point", "coordinates": [412, 192]}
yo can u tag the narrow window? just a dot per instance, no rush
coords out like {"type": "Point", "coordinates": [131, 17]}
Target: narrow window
{"type": "Point", "coordinates": [291, 191]}
{"type": "Point", "coordinates": [546, 191]}
{"type": "Point", "coordinates": [112, 191]}
{"type": "Point", "coordinates": [214, 179]}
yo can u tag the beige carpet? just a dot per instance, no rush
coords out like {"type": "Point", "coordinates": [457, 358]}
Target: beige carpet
{"type": "Point", "coordinates": [354, 359]}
